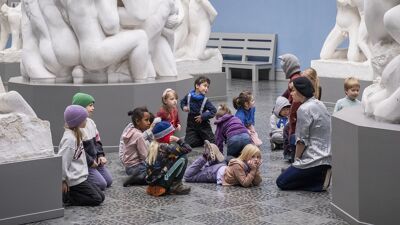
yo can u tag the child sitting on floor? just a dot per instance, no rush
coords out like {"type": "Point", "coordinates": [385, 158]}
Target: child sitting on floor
{"type": "Point", "coordinates": [278, 120]}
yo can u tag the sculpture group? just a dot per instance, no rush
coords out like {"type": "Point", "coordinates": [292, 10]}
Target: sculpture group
{"type": "Point", "coordinates": [110, 41]}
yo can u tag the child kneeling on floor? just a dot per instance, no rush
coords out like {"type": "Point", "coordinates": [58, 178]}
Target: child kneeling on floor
{"type": "Point", "coordinates": [210, 167]}
{"type": "Point", "coordinates": [166, 162]}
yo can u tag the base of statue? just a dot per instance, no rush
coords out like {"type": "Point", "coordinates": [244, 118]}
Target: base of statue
{"type": "Point", "coordinates": [31, 191]}
{"type": "Point", "coordinates": [365, 168]}
{"type": "Point", "coordinates": [195, 66]}
{"type": "Point", "coordinates": [332, 74]}
{"type": "Point", "coordinates": [8, 70]}
{"type": "Point", "coordinates": [113, 101]}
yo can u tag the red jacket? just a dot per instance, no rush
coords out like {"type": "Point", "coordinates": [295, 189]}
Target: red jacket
{"type": "Point", "coordinates": [172, 116]}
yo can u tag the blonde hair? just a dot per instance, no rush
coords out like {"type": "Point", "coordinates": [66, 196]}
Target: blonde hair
{"type": "Point", "coordinates": [249, 151]}
{"type": "Point", "coordinates": [166, 94]}
{"type": "Point", "coordinates": [311, 74]}
{"type": "Point", "coordinates": [351, 82]}
{"type": "Point", "coordinates": [222, 110]}
{"type": "Point", "coordinates": [153, 151]}
{"type": "Point", "coordinates": [77, 133]}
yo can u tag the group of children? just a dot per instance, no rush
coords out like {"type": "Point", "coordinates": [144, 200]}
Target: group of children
{"type": "Point", "coordinates": [284, 115]}
{"type": "Point", "coordinates": [151, 153]}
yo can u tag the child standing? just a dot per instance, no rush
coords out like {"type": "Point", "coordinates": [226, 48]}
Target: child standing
{"type": "Point", "coordinates": [168, 110]}
{"type": "Point", "coordinates": [166, 163]}
{"type": "Point", "coordinates": [98, 172]}
{"type": "Point", "coordinates": [278, 121]}
{"type": "Point", "coordinates": [76, 188]}
{"type": "Point", "coordinates": [243, 171]}
{"type": "Point", "coordinates": [244, 104]}
{"type": "Point", "coordinates": [133, 149]}
{"type": "Point", "coordinates": [231, 130]}
{"type": "Point", "coordinates": [351, 89]}
{"type": "Point", "coordinates": [200, 111]}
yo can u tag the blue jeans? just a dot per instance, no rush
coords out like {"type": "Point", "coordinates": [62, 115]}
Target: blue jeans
{"type": "Point", "coordinates": [236, 143]}
{"type": "Point", "coordinates": [310, 179]}
{"type": "Point", "coordinates": [100, 176]}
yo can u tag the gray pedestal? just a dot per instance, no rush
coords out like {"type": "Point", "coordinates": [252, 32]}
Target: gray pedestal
{"type": "Point", "coordinates": [333, 89]}
{"type": "Point", "coordinates": [8, 70]}
{"type": "Point", "coordinates": [365, 168]}
{"type": "Point", "coordinates": [30, 191]}
{"type": "Point", "coordinates": [113, 101]}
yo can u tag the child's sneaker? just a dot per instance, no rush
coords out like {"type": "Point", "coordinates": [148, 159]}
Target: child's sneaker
{"type": "Point", "coordinates": [273, 146]}
{"type": "Point", "coordinates": [212, 153]}
{"type": "Point", "coordinates": [155, 190]}
{"type": "Point", "coordinates": [327, 181]}
{"type": "Point", "coordinates": [177, 188]}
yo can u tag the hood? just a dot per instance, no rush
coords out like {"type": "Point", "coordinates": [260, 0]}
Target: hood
{"type": "Point", "coordinates": [279, 104]}
{"type": "Point", "coordinates": [129, 132]}
{"type": "Point", "coordinates": [290, 64]}
{"type": "Point", "coordinates": [223, 118]}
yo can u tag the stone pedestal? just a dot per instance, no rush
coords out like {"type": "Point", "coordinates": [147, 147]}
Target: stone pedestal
{"type": "Point", "coordinates": [8, 70]}
{"type": "Point", "coordinates": [30, 191]}
{"type": "Point", "coordinates": [365, 168]}
{"type": "Point", "coordinates": [332, 74]}
{"type": "Point", "coordinates": [113, 101]}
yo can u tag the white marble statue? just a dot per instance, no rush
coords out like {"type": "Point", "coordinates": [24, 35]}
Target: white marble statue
{"type": "Point", "coordinates": [23, 135]}
{"type": "Point", "coordinates": [196, 18]}
{"type": "Point", "coordinates": [381, 100]}
{"type": "Point", "coordinates": [10, 24]}
{"type": "Point", "coordinates": [157, 18]}
{"type": "Point", "coordinates": [349, 24]}
{"type": "Point", "coordinates": [66, 40]}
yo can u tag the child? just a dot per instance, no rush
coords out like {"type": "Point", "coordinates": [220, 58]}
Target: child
{"type": "Point", "coordinates": [244, 104]}
{"type": "Point", "coordinates": [230, 130]}
{"type": "Point", "coordinates": [291, 67]}
{"type": "Point", "coordinates": [98, 172]}
{"type": "Point", "coordinates": [311, 74]}
{"type": "Point", "coordinates": [166, 163]}
{"type": "Point", "coordinates": [351, 89]}
{"type": "Point", "coordinates": [168, 110]}
{"type": "Point", "coordinates": [200, 111]}
{"type": "Point", "coordinates": [133, 149]}
{"type": "Point", "coordinates": [243, 171]}
{"type": "Point", "coordinates": [76, 188]}
{"type": "Point", "coordinates": [278, 121]}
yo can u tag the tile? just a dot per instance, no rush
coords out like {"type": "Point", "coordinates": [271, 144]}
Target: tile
{"type": "Point", "coordinates": [221, 217]}
{"type": "Point", "coordinates": [295, 218]}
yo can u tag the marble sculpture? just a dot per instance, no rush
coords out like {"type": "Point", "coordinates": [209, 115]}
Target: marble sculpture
{"type": "Point", "coordinates": [381, 99]}
{"type": "Point", "coordinates": [10, 23]}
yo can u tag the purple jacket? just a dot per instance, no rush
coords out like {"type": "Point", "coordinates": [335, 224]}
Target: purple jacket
{"type": "Point", "coordinates": [227, 127]}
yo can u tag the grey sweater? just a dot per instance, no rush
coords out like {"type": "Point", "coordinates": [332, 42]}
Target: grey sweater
{"type": "Point", "coordinates": [74, 166]}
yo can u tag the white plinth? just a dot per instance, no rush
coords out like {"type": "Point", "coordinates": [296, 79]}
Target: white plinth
{"type": "Point", "coordinates": [343, 69]}
{"type": "Point", "coordinates": [195, 66]}
{"type": "Point", "coordinates": [10, 56]}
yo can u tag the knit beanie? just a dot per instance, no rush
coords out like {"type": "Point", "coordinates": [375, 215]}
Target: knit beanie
{"type": "Point", "coordinates": [82, 99]}
{"type": "Point", "coordinates": [304, 86]}
{"type": "Point", "coordinates": [74, 115]}
{"type": "Point", "coordinates": [290, 64]}
{"type": "Point", "coordinates": [162, 129]}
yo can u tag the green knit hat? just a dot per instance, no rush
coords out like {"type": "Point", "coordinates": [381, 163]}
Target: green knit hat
{"type": "Point", "coordinates": [82, 99]}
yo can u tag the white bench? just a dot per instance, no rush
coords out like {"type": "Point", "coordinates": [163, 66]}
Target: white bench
{"type": "Point", "coordinates": [246, 51]}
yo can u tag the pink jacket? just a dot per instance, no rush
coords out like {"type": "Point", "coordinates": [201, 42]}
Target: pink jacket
{"type": "Point", "coordinates": [133, 147]}
{"type": "Point", "coordinates": [238, 173]}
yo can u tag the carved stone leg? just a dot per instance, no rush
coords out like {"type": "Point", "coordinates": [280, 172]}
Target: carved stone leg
{"type": "Point", "coordinates": [254, 74]}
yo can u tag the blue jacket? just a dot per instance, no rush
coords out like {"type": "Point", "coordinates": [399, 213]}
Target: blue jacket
{"type": "Point", "coordinates": [246, 116]}
{"type": "Point", "coordinates": [196, 100]}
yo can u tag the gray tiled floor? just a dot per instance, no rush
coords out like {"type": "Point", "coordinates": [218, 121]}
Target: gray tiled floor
{"type": "Point", "coordinates": [209, 203]}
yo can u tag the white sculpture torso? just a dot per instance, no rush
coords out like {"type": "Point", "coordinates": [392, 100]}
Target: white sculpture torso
{"type": "Point", "coordinates": [381, 99]}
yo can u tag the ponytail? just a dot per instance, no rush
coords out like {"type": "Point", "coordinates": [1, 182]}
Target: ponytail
{"type": "Point", "coordinates": [153, 151]}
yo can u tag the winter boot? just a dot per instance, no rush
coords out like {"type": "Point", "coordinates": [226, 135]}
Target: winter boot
{"type": "Point", "coordinates": [177, 188]}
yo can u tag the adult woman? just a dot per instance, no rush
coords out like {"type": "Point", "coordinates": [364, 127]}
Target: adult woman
{"type": "Point", "coordinates": [311, 169]}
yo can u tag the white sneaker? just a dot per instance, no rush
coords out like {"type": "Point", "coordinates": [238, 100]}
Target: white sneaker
{"type": "Point", "coordinates": [213, 151]}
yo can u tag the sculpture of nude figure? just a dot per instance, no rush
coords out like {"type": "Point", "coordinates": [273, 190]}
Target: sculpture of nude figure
{"type": "Point", "coordinates": [347, 24]}
{"type": "Point", "coordinates": [381, 99]}
{"type": "Point", "coordinates": [10, 23]}
{"type": "Point", "coordinates": [200, 16]}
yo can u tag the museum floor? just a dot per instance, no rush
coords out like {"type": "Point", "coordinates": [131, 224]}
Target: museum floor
{"type": "Point", "coordinates": [210, 203]}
